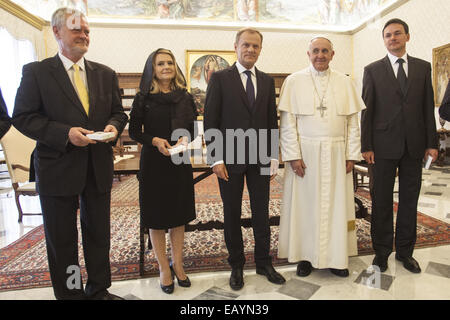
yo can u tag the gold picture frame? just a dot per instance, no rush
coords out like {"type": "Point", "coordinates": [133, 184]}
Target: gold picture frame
{"type": "Point", "coordinates": [441, 72]}
{"type": "Point", "coordinates": [200, 64]}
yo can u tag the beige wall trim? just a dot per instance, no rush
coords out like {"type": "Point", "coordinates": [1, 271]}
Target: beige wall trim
{"type": "Point", "coordinates": [22, 14]}
{"type": "Point", "coordinates": [150, 24]}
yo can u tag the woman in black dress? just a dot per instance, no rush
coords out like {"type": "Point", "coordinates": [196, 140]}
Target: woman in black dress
{"type": "Point", "coordinates": [166, 189]}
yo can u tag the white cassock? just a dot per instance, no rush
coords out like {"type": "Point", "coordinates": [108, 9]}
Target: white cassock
{"type": "Point", "coordinates": [317, 221]}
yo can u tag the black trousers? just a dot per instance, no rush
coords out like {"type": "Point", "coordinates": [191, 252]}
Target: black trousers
{"type": "Point", "coordinates": [60, 224]}
{"type": "Point", "coordinates": [231, 192]}
{"type": "Point", "coordinates": [410, 180]}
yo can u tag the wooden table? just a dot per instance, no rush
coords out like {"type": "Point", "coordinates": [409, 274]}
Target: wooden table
{"type": "Point", "coordinates": [131, 166]}
{"type": "Point", "coordinates": [127, 166]}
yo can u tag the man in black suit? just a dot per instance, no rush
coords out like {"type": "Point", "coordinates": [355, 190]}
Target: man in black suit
{"type": "Point", "coordinates": [444, 109]}
{"type": "Point", "coordinates": [398, 130]}
{"type": "Point", "coordinates": [60, 100]}
{"type": "Point", "coordinates": [5, 120]}
{"type": "Point", "coordinates": [242, 99]}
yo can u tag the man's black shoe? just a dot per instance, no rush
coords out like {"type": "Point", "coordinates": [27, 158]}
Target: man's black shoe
{"type": "Point", "coordinates": [380, 262]}
{"type": "Point", "coordinates": [340, 272]}
{"type": "Point", "coordinates": [304, 268]}
{"type": "Point", "coordinates": [409, 263]}
{"type": "Point", "coordinates": [271, 274]}
{"type": "Point", "coordinates": [237, 278]}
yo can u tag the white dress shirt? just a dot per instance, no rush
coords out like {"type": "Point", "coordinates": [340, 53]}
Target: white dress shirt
{"type": "Point", "coordinates": [68, 65]}
{"type": "Point", "coordinates": [244, 77]}
{"type": "Point", "coordinates": [395, 64]}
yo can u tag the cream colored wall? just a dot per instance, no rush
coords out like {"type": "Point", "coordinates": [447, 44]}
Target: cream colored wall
{"type": "Point", "coordinates": [126, 49]}
{"type": "Point", "coordinates": [429, 26]}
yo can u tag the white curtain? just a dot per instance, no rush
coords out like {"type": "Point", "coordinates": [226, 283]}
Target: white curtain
{"type": "Point", "coordinates": [14, 54]}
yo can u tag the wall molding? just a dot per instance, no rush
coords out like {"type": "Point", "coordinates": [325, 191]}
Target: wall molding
{"type": "Point", "coordinates": [122, 23]}
{"type": "Point", "coordinates": [378, 16]}
{"type": "Point", "coordinates": [22, 14]}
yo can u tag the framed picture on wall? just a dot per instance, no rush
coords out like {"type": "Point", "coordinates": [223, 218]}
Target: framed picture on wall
{"type": "Point", "coordinates": [441, 72]}
{"type": "Point", "coordinates": [200, 65]}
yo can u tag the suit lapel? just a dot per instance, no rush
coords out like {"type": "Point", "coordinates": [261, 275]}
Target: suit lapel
{"type": "Point", "coordinates": [60, 74]}
{"type": "Point", "coordinates": [391, 75]}
{"type": "Point", "coordinates": [92, 85]}
{"type": "Point", "coordinates": [411, 72]}
{"type": "Point", "coordinates": [238, 86]}
{"type": "Point", "coordinates": [260, 90]}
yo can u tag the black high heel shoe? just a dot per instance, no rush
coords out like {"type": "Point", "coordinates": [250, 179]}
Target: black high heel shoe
{"type": "Point", "coordinates": [186, 283]}
{"type": "Point", "coordinates": [168, 289]}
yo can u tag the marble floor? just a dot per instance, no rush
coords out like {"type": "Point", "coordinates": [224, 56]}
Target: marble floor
{"type": "Point", "coordinates": [395, 284]}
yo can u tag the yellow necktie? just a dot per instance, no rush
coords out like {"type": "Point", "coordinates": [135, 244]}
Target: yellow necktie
{"type": "Point", "coordinates": [81, 88]}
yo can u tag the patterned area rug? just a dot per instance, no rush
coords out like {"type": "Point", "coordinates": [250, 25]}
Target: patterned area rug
{"type": "Point", "coordinates": [430, 231]}
{"type": "Point", "coordinates": [23, 264]}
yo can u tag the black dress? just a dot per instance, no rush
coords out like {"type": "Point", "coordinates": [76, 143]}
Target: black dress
{"type": "Point", "coordinates": [166, 190]}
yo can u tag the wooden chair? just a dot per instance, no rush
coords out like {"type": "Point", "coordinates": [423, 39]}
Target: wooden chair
{"type": "Point", "coordinates": [17, 149]}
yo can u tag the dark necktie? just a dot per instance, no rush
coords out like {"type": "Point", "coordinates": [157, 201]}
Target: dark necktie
{"type": "Point", "coordinates": [250, 89]}
{"type": "Point", "coordinates": [401, 75]}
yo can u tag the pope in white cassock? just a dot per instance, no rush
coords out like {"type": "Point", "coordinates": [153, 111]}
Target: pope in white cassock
{"type": "Point", "coordinates": [320, 141]}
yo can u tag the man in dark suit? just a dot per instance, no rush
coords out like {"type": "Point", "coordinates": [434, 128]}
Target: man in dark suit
{"type": "Point", "coordinates": [444, 109]}
{"type": "Point", "coordinates": [60, 100]}
{"type": "Point", "coordinates": [5, 120]}
{"type": "Point", "coordinates": [398, 131]}
{"type": "Point", "coordinates": [242, 99]}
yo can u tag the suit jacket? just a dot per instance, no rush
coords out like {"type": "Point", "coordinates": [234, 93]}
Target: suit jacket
{"type": "Point", "coordinates": [47, 106]}
{"type": "Point", "coordinates": [444, 109]}
{"type": "Point", "coordinates": [5, 121]}
{"type": "Point", "coordinates": [392, 118]}
{"type": "Point", "coordinates": [227, 107]}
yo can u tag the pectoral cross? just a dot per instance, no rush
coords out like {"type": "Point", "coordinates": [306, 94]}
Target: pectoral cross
{"type": "Point", "coordinates": [321, 109]}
